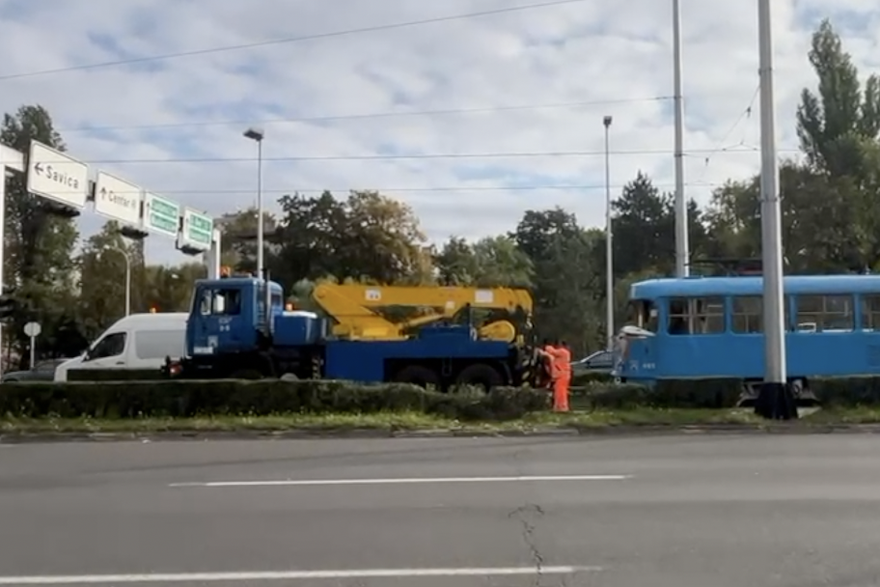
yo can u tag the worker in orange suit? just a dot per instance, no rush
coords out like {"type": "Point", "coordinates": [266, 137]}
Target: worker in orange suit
{"type": "Point", "coordinates": [548, 355]}
{"type": "Point", "coordinates": [563, 380]}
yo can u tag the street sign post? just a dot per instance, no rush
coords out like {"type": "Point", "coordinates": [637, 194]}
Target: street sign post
{"type": "Point", "coordinates": [57, 176]}
{"type": "Point", "coordinates": [33, 330]}
{"type": "Point", "coordinates": [118, 199]}
{"type": "Point", "coordinates": [161, 215]}
{"type": "Point", "coordinates": [197, 233]}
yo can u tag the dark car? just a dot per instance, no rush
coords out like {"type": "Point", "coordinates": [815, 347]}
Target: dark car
{"type": "Point", "coordinates": [43, 371]}
{"type": "Point", "coordinates": [598, 362]}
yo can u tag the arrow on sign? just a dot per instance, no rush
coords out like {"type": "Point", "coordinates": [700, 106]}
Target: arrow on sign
{"type": "Point", "coordinates": [104, 193]}
{"type": "Point", "coordinates": [38, 167]}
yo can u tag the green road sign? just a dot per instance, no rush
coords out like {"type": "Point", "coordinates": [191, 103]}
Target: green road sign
{"type": "Point", "coordinates": [198, 229]}
{"type": "Point", "coordinates": [161, 215]}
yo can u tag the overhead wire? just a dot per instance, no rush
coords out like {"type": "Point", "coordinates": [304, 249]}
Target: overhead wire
{"type": "Point", "coordinates": [366, 116]}
{"type": "Point", "coordinates": [413, 156]}
{"type": "Point", "coordinates": [286, 40]}
{"type": "Point", "coordinates": [388, 190]}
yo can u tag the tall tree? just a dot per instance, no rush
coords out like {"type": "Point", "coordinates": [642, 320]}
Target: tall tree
{"type": "Point", "coordinates": [39, 237]}
{"type": "Point", "coordinates": [835, 125]}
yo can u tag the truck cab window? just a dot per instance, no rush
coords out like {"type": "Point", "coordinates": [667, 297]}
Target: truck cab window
{"type": "Point", "coordinates": [220, 302]}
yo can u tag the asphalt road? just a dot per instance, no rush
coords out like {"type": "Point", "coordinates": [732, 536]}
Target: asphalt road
{"type": "Point", "coordinates": [660, 511]}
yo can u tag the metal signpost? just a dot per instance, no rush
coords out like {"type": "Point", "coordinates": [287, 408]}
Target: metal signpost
{"type": "Point", "coordinates": [32, 330]}
{"type": "Point", "coordinates": [118, 199]}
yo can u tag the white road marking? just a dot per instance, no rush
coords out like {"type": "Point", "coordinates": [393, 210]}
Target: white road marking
{"type": "Point", "coordinates": [393, 481]}
{"type": "Point", "coordinates": [291, 575]}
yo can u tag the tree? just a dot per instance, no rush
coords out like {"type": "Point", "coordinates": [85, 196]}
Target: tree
{"type": "Point", "coordinates": [39, 239]}
{"type": "Point", "coordinates": [367, 237]}
{"type": "Point", "coordinates": [836, 125]}
{"type": "Point", "coordinates": [238, 240]}
{"type": "Point", "coordinates": [643, 228]}
{"type": "Point", "coordinates": [102, 285]}
{"type": "Point", "coordinates": [490, 262]}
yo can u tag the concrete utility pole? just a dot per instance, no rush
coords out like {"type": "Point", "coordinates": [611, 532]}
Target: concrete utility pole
{"type": "Point", "coordinates": [775, 399]}
{"type": "Point", "coordinates": [682, 252]}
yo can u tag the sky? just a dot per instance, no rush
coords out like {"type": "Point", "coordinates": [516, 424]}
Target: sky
{"type": "Point", "coordinates": [470, 120]}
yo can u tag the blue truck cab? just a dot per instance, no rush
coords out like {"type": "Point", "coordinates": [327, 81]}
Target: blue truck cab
{"type": "Point", "coordinates": [227, 315]}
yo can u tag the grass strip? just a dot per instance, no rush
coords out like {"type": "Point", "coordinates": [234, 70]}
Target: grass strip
{"type": "Point", "coordinates": [414, 421]}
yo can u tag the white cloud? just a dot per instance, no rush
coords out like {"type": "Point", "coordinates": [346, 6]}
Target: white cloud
{"type": "Point", "coordinates": [585, 52]}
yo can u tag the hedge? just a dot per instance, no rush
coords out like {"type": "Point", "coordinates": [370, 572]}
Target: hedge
{"type": "Point", "coordinates": [720, 393]}
{"type": "Point", "coordinates": [131, 399]}
{"type": "Point", "coordinates": [259, 398]}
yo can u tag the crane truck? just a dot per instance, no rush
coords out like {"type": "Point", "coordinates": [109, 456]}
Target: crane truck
{"type": "Point", "coordinates": [238, 327]}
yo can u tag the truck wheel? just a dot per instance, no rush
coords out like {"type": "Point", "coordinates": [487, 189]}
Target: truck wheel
{"type": "Point", "coordinates": [418, 375]}
{"type": "Point", "coordinates": [480, 375]}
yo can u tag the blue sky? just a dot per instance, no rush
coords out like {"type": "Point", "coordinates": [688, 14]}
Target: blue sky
{"type": "Point", "coordinates": [608, 58]}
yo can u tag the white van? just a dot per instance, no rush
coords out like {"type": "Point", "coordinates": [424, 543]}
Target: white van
{"type": "Point", "coordinates": [139, 342]}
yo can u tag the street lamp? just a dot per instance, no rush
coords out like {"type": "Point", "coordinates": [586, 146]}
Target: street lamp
{"type": "Point", "coordinates": [257, 134]}
{"type": "Point", "coordinates": [609, 251]}
{"type": "Point", "coordinates": [127, 276]}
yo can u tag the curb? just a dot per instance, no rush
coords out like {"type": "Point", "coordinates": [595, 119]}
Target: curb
{"type": "Point", "coordinates": [366, 433]}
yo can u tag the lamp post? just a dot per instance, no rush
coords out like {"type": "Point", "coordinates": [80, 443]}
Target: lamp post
{"type": "Point", "coordinates": [127, 276]}
{"type": "Point", "coordinates": [257, 134]}
{"type": "Point", "coordinates": [609, 250]}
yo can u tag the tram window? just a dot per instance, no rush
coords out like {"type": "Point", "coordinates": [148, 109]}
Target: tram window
{"type": "Point", "coordinates": [696, 315]}
{"type": "Point", "coordinates": [819, 313]}
{"type": "Point", "coordinates": [747, 314]}
{"type": "Point", "coordinates": [871, 312]}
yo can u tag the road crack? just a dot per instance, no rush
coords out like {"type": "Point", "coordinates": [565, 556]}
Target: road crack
{"type": "Point", "coordinates": [524, 514]}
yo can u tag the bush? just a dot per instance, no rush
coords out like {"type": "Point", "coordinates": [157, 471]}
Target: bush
{"type": "Point", "coordinates": [847, 392]}
{"type": "Point", "coordinates": [259, 398]}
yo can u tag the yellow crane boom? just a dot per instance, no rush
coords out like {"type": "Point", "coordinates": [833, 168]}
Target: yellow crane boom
{"type": "Point", "coordinates": [366, 312]}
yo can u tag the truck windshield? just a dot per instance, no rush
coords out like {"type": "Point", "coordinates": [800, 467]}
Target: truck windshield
{"type": "Point", "coordinates": [219, 301]}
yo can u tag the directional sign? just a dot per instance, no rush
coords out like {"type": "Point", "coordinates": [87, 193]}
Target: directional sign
{"type": "Point", "coordinates": [161, 215]}
{"type": "Point", "coordinates": [57, 176]}
{"type": "Point", "coordinates": [118, 199]}
{"type": "Point", "coordinates": [198, 230]}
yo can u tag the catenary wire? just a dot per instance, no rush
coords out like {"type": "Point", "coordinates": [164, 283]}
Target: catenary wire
{"type": "Point", "coordinates": [489, 155]}
{"type": "Point", "coordinates": [366, 116]}
{"type": "Point", "coordinates": [388, 190]}
{"type": "Point", "coordinates": [288, 40]}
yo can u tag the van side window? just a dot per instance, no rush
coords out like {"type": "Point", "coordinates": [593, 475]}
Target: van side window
{"type": "Point", "coordinates": [111, 345]}
{"type": "Point", "coordinates": [158, 344]}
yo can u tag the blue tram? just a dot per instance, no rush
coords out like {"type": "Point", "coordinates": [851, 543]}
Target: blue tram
{"type": "Point", "coordinates": [712, 327]}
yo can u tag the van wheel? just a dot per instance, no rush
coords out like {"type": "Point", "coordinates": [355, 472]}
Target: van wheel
{"type": "Point", "coordinates": [250, 374]}
{"type": "Point", "coordinates": [480, 375]}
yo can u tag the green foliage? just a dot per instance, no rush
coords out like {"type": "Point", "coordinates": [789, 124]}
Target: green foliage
{"type": "Point", "coordinates": [258, 398]}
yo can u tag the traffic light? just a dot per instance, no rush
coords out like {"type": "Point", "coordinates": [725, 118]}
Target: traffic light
{"type": "Point", "coordinates": [8, 305]}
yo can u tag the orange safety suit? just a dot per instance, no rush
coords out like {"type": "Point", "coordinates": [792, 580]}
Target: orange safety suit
{"type": "Point", "coordinates": [563, 380]}
{"type": "Point", "coordinates": [550, 360]}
